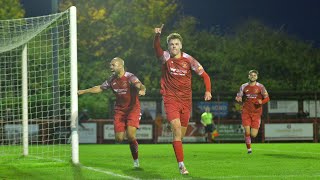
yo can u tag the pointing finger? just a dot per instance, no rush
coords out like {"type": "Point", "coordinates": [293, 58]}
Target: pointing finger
{"type": "Point", "coordinates": [161, 26]}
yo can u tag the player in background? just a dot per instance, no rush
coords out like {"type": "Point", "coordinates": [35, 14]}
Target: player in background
{"type": "Point", "coordinates": [126, 87]}
{"type": "Point", "coordinates": [253, 95]}
{"type": "Point", "coordinates": [207, 122]}
{"type": "Point", "coordinates": [176, 88]}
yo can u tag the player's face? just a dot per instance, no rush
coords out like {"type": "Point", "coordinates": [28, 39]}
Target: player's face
{"type": "Point", "coordinates": [253, 77]}
{"type": "Point", "coordinates": [115, 67]}
{"type": "Point", "coordinates": [174, 47]}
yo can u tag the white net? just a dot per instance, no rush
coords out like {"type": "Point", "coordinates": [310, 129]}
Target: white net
{"type": "Point", "coordinates": [45, 42]}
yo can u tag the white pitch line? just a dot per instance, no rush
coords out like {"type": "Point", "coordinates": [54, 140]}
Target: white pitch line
{"type": "Point", "coordinates": [109, 173]}
{"type": "Point", "coordinates": [101, 171]}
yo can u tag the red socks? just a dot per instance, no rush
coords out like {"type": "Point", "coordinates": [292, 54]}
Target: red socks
{"type": "Point", "coordinates": [177, 146]}
{"type": "Point", "coordinates": [134, 149]}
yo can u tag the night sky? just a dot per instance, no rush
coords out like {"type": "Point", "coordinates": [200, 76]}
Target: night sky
{"type": "Point", "coordinates": [297, 17]}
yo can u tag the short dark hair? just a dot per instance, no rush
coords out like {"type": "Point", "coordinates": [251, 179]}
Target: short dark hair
{"type": "Point", "coordinates": [174, 36]}
{"type": "Point", "coordinates": [253, 71]}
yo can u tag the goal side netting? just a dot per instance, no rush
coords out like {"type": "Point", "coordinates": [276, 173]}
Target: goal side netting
{"type": "Point", "coordinates": [38, 87]}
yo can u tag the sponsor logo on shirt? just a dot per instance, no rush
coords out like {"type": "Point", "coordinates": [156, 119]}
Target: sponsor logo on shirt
{"type": "Point", "coordinates": [251, 96]}
{"type": "Point", "coordinates": [120, 91]}
{"type": "Point", "coordinates": [179, 72]}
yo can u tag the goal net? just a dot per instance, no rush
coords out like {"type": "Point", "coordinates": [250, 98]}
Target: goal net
{"type": "Point", "coordinates": [38, 87]}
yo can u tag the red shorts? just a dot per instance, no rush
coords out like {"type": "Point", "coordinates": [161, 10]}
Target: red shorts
{"type": "Point", "coordinates": [251, 119]}
{"type": "Point", "coordinates": [177, 110]}
{"type": "Point", "coordinates": [123, 119]}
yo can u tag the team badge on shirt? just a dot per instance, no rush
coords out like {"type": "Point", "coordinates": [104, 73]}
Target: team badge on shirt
{"type": "Point", "coordinates": [184, 65]}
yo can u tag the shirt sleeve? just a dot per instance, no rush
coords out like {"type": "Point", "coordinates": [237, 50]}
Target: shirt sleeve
{"type": "Point", "coordinates": [105, 85]}
{"type": "Point", "coordinates": [195, 65]}
{"type": "Point", "coordinates": [157, 47]}
{"type": "Point", "coordinates": [133, 79]}
{"type": "Point", "coordinates": [240, 93]}
{"type": "Point", "coordinates": [264, 92]}
{"type": "Point", "coordinates": [207, 81]}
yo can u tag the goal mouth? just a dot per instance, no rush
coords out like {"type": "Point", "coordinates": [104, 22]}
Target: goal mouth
{"type": "Point", "coordinates": [38, 86]}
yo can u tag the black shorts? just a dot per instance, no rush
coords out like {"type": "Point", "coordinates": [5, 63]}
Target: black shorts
{"type": "Point", "coordinates": [209, 128]}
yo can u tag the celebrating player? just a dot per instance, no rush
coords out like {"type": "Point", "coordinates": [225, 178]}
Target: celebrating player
{"type": "Point", "coordinates": [255, 94]}
{"type": "Point", "coordinates": [126, 87]}
{"type": "Point", "coordinates": [176, 88]}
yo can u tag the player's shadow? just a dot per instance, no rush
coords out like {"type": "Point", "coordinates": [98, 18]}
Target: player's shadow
{"type": "Point", "coordinates": [76, 171]}
{"type": "Point", "coordinates": [194, 177]}
{"type": "Point", "coordinates": [138, 169]}
{"type": "Point", "coordinates": [288, 156]}
{"type": "Point", "coordinates": [136, 172]}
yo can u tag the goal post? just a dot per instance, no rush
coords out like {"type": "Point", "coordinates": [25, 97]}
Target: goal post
{"type": "Point", "coordinates": [74, 85]}
{"type": "Point", "coordinates": [38, 87]}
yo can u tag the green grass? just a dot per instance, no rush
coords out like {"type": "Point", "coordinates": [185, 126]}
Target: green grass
{"type": "Point", "coordinates": [203, 161]}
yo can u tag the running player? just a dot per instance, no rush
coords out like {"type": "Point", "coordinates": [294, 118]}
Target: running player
{"type": "Point", "coordinates": [176, 88]}
{"type": "Point", "coordinates": [126, 87]}
{"type": "Point", "coordinates": [253, 95]}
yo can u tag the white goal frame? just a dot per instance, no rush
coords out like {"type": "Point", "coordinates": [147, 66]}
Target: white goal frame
{"type": "Point", "coordinates": [73, 90]}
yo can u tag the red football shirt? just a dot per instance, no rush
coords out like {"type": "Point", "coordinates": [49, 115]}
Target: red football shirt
{"type": "Point", "coordinates": [250, 95]}
{"type": "Point", "coordinates": [176, 73]}
{"type": "Point", "coordinates": [125, 91]}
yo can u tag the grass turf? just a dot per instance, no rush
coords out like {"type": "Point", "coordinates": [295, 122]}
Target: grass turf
{"type": "Point", "coordinates": [157, 161]}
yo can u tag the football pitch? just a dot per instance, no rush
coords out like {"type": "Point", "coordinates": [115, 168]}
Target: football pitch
{"type": "Point", "coordinates": [157, 161]}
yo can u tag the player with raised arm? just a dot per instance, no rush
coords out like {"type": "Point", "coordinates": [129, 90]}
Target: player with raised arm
{"type": "Point", "coordinates": [253, 95]}
{"type": "Point", "coordinates": [176, 88]}
{"type": "Point", "coordinates": [126, 87]}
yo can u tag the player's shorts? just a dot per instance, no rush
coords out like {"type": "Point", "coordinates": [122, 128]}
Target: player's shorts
{"type": "Point", "coordinates": [123, 119]}
{"type": "Point", "coordinates": [209, 128]}
{"type": "Point", "coordinates": [251, 119]}
{"type": "Point", "coordinates": [177, 110]}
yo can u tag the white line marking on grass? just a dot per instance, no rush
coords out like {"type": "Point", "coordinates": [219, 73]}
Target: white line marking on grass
{"type": "Point", "coordinates": [273, 177]}
{"type": "Point", "coordinates": [54, 159]}
{"type": "Point", "coordinates": [109, 173]}
{"type": "Point", "coordinates": [300, 152]}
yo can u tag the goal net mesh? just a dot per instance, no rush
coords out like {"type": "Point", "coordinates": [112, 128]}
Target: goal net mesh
{"type": "Point", "coordinates": [46, 40]}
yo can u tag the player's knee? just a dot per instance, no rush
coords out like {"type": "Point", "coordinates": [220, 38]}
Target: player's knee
{"type": "Point", "coordinates": [131, 138]}
{"type": "Point", "coordinates": [119, 139]}
{"type": "Point", "coordinates": [253, 135]}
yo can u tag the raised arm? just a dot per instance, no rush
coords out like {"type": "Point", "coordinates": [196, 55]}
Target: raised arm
{"type": "Point", "coordinates": [156, 42]}
{"type": "Point", "coordinates": [95, 89]}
